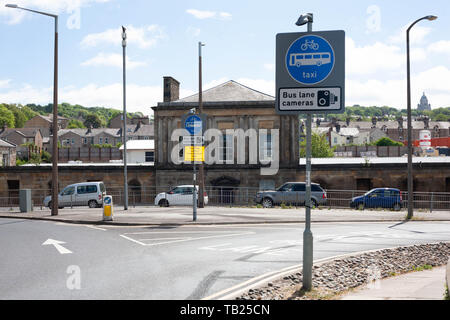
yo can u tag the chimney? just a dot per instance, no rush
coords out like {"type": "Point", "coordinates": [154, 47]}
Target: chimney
{"type": "Point", "coordinates": [89, 129]}
{"type": "Point", "coordinates": [5, 126]}
{"type": "Point", "coordinates": [338, 127]}
{"type": "Point", "coordinates": [426, 122]}
{"type": "Point", "coordinates": [374, 122]}
{"type": "Point", "coordinates": [138, 126]}
{"type": "Point", "coordinates": [347, 121]}
{"type": "Point", "coordinates": [171, 89]}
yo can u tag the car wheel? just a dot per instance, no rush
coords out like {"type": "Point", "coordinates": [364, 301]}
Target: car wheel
{"type": "Point", "coordinates": [92, 204]}
{"type": "Point", "coordinates": [360, 206]}
{"type": "Point", "coordinates": [49, 204]}
{"type": "Point", "coordinates": [397, 207]}
{"type": "Point", "coordinates": [163, 203]}
{"type": "Point", "coordinates": [267, 203]}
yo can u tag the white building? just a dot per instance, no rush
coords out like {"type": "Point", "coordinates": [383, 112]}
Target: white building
{"type": "Point", "coordinates": [140, 151]}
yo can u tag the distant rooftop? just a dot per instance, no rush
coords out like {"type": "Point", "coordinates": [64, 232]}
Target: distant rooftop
{"type": "Point", "coordinates": [228, 91]}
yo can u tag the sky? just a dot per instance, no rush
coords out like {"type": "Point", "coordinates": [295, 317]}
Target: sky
{"type": "Point", "coordinates": [239, 37]}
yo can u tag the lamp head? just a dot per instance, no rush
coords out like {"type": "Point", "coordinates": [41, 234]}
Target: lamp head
{"type": "Point", "coordinates": [431, 18]}
{"type": "Point", "coordinates": [304, 19]}
{"type": "Point", "coordinates": [10, 5]}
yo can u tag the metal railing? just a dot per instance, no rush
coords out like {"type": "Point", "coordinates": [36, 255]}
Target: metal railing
{"type": "Point", "coordinates": [236, 197]}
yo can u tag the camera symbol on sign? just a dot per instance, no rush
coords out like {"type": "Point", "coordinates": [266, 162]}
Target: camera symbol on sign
{"type": "Point", "coordinates": [325, 98]}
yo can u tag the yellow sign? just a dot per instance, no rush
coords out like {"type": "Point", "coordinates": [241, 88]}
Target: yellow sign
{"type": "Point", "coordinates": [196, 154]}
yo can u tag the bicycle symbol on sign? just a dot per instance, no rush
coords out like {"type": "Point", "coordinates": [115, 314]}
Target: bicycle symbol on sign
{"type": "Point", "coordinates": [310, 44]}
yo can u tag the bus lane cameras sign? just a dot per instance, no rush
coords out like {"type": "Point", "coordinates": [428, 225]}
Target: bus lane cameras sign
{"type": "Point", "coordinates": [310, 72]}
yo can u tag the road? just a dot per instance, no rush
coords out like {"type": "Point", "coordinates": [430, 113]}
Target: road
{"type": "Point", "coordinates": [183, 262]}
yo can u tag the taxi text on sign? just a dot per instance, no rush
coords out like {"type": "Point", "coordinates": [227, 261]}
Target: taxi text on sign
{"type": "Point", "coordinates": [310, 72]}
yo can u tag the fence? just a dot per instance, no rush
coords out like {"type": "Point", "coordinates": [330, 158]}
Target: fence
{"type": "Point", "coordinates": [229, 196]}
{"type": "Point", "coordinates": [89, 154]}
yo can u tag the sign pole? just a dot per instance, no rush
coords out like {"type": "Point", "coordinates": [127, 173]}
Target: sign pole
{"type": "Point", "coordinates": [307, 234]}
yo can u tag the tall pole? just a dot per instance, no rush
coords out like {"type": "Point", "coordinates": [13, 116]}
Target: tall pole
{"type": "Point", "coordinates": [408, 99]}
{"type": "Point", "coordinates": [125, 178]}
{"type": "Point", "coordinates": [55, 110]}
{"type": "Point", "coordinates": [408, 89]}
{"type": "Point", "coordinates": [201, 182]}
{"type": "Point", "coordinates": [55, 127]}
{"type": "Point", "coordinates": [307, 234]}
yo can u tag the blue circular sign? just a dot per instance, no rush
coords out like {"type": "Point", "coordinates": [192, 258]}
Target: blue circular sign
{"type": "Point", "coordinates": [310, 59]}
{"type": "Point", "coordinates": [107, 200]}
{"type": "Point", "coordinates": [193, 124]}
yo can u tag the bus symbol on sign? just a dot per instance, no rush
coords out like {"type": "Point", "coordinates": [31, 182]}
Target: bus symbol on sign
{"type": "Point", "coordinates": [310, 59]}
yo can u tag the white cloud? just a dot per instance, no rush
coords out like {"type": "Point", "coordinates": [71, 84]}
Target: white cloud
{"type": "Point", "coordinates": [442, 46]}
{"type": "Point", "coordinates": [111, 60]}
{"type": "Point", "coordinates": [15, 16]}
{"type": "Point", "coordinates": [5, 83]}
{"type": "Point", "coordinates": [417, 35]}
{"type": "Point", "coordinates": [139, 98]}
{"type": "Point", "coordinates": [372, 58]}
{"type": "Point", "coordinates": [269, 66]}
{"type": "Point", "coordinates": [393, 92]}
{"type": "Point", "coordinates": [204, 14]}
{"type": "Point", "coordinates": [144, 37]}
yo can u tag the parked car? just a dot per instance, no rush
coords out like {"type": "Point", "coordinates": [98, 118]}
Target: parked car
{"type": "Point", "coordinates": [180, 195]}
{"type": "Point", "coordinates": [80, 194]}
{"type": "Point", "coordinates": [379, 198]}
{"type": "Point", "coordinates": [292, 193]}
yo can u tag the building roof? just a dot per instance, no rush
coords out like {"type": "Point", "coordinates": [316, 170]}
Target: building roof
{"type": "Point", "coordinates": [90, 133]}
{"type": "Point", "coordinates": [139, 130]}
{"type": "Point", "coordinates": [228, 91]}
{"type": "Point", "coordinates": [4, 143]}
{"type": "Point", "coordinates": [139, 145]}
{"type": "Point", "coordinates": [26, 132]}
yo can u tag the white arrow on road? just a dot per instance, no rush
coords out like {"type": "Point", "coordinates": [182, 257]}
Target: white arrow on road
{"type": "Point", "coordinates": [58, 246]}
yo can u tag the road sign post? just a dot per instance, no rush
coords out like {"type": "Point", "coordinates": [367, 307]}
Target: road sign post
{"type": "Point", "coordinates": [310, 79]}
{"type": "Point", "coordinates": [195, 125]}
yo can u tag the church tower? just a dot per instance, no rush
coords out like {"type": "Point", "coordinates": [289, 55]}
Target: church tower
{"type": "Point", "coordinates": [424, 105]}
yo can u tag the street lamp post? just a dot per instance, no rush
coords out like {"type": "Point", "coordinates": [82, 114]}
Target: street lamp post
{"type": "Point", "coordinates": [55, 110]}
{"type": "Point", "coordinates": [125, 178]}
{"type": "Point", "coordinates": [408, 76]}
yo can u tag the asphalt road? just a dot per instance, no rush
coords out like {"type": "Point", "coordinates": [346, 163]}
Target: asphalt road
{"type": "Point", "coordinates": [184, 262]}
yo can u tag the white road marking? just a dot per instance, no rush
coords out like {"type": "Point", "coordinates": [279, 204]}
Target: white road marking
{"type": "Point", "coordinates": [58, 246]}
{"type": "Point", "coordinates": [177, 239]}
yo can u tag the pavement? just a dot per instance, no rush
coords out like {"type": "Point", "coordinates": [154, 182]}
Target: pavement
{"type": "Point", "coordinates": [420, 285]}
{"type": "Point", "coordinates": [427, 284]}
{"type": "Point", "coordinates": [153, 215]}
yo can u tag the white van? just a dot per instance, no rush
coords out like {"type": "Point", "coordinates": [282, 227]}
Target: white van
{"type": "Point", "coordinates": [179, 196]}
{"type": "Point", "coordinates": [80, 194]}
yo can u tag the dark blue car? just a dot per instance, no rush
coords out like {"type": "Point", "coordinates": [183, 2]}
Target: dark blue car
{"type": "Point", "coordinates": [379, 198]}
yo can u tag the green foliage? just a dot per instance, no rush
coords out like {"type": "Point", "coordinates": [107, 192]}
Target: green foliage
{"type": "Point", "coordinates": [75, 124]}
{"type": "Point", "coordinates": [385, 141]}
{"type": "Point", "coordinates": [93, 120]}
{"type": "Point", "coordinates": [320, 147]}
{"type": "Point", "coordinates": [6, 116]}
{"type": "Point", "coordinates": [119, 144]}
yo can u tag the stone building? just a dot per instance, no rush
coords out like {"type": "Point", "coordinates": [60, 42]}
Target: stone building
{"type": "Point", "coordinates": [424, 105]}
{"type": "Point", "coordinates": [45, 124]}
{"type": "Point", "coordinates": [21, 136]}
{"type": "Point", "coordinates": [7, 154]}
{"type": "Point", "coordinates": [230, 105]}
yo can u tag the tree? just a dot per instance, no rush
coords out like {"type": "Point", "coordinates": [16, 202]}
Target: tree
{"type": "Point", "coordinates": [6, 117]}
{"type": "Point", "coordinates": [93, 121]}
{"type": "Point", "coordinates": [74, 124]}
{"type": "Point", "coordinates": [320, 147]}
{"type": "Point", "coordinates": [387, 142]}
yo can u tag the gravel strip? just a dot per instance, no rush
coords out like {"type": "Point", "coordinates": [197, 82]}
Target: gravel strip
{"type": "Point", "coordinates": [334, 277]}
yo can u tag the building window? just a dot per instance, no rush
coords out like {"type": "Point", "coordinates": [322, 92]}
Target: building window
{"type": "Point", "coordinates": [226, 148]}
{"type": "Point", "coordinates": [101, 140]}
{"type": "Point", "coordinates": [85, 140]}
{"type": "Point", "coordinates": [265, 146]}
{"type": "Point", "coordinates": [67, 141]}
{"type": "Point", "coordinates": [73, 141]}
{"type": "Point", "coordinates": [106, 140]}
{"type": "Point", "coordinates": [149, 156]}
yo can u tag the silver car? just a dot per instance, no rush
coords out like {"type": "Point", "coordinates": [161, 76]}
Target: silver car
{"type": "Point", "coordinates": [80, 194]}
{"type": "Point", "coordinates": [292, 193]}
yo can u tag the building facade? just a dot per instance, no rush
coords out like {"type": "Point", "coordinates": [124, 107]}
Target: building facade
{"type": "Point", "coordinates": [229, 106]}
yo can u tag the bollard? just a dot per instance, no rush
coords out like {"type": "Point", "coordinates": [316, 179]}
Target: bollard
{"type": "Point", "coordinates": [107, 208]}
